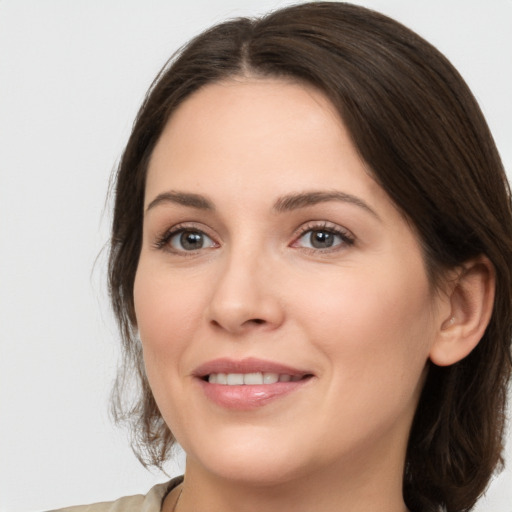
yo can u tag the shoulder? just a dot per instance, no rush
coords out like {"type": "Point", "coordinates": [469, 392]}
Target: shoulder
{"type": "Point", "coordinates": [150, 502]}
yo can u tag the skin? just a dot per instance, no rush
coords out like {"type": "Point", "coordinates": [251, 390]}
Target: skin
{"type": "Point", "coordinates": [360, 316]}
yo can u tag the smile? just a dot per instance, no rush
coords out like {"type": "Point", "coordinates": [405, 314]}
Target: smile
{"type": "Point", "coordinates": [251, 379]}
{"type": "Point", "coordinates": [249, 383]}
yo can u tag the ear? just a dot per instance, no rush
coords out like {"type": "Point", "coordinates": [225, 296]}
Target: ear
{"type": "Point", "coordinates": [471, 301]}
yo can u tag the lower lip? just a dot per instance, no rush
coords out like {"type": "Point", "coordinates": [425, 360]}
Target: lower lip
{"type": "Point", "coordinates": [247, 397]}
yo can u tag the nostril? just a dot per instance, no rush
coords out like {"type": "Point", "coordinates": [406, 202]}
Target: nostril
{"type": "Point", "coordinates": [256, 321]}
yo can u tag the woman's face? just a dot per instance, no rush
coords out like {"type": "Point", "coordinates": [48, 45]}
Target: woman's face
{"type": "Point", "coordinates": [270, 254]}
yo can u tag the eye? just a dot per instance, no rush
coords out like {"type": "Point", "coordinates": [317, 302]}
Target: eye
{"type": "Point", "coordinates": [323, 238]}
{"type": "Point", "coordinates": [189, 240]}
{"type": "Point", "coordinates": [320, 239]}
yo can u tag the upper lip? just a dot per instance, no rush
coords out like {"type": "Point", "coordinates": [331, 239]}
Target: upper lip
{"type": "Point", "coordinates": [247, 365]}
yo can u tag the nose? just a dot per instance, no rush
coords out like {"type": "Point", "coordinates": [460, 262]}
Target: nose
{"type": "Point", "coordinates": [245, 296]}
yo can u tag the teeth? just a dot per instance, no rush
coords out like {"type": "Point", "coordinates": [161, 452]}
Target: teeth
{"type": "Point", "coordinates": [270, 378]}
{"type": "Point", "coordinates": [253, 378]}
{"type": "Point", "coordinates": [238, 379]}
{"type": "Point", "coordinates": [235, 379]}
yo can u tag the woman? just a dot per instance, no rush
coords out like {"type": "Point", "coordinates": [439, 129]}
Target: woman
{"type": "Point", "coordinates": [310, 265]}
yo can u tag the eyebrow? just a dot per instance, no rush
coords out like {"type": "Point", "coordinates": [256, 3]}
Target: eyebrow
{"type": "Point", "coordinates": [283, 204]}
{"type": "Point", "coordinates": [304, 199]}
{"type": "Point", "coordinates": [183, 198]}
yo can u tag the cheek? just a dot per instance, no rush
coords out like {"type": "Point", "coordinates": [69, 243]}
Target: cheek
{"type": "Point", "coordinates": [373, 323]}
{"type": "Point", "coordinates": [166, 311]}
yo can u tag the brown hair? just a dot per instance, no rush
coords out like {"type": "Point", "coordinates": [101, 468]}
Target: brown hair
{"type": "Point", "coordinates": [420, 130]}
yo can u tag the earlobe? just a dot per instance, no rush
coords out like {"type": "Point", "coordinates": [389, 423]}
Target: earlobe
{"type": "Point", "coordinates": [471, 299]}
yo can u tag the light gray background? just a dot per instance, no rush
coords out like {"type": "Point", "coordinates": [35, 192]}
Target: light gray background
{"type": "Point", "coordinates": [72, 75]}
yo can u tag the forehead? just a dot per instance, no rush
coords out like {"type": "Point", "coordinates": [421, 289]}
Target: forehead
{"type": "Point", "coordinates": [249, 110]}
{"type": "Point", "coordinates": [243, 128]}
{"type": "Point", "coordinates": [231, 94]}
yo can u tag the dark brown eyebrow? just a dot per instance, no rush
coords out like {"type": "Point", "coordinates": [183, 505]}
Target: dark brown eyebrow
{"type": "Point", "coordinates": [283, 204]}
{"type": "Point", "coordinates": [304, 199]}
{"type": "Point", "coordinates": [183, 198]}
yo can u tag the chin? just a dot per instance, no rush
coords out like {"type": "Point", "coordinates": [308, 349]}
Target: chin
{"type": "Point", "coordinates": [249, 460]}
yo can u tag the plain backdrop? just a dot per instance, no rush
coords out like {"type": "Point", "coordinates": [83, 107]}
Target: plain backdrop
{"type": "Point", "coordinates": [72, 75]}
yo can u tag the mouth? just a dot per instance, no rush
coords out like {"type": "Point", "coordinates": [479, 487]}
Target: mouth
{"type": "Point", "coordinates": [248, 384]}
{"type": "Point", "coordinates": [248, 372]}
{"type": "Point", "coordinates": [252, 379]}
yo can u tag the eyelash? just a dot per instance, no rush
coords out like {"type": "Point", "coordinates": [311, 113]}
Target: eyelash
{"type": "Point", "coordinates": [347, 239]}
{"type": "Point", "coordinates": [162, 241]}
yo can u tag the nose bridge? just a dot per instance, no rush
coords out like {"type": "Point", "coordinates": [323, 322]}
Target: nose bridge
{"type": "Point", "coordinates": [244, 296]}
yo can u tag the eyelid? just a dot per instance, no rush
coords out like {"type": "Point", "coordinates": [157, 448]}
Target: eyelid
{"type": "Point", "coordinates": [162, 240]}
{"type": "Point", "coordinates": [346, 235]}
